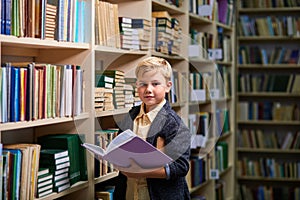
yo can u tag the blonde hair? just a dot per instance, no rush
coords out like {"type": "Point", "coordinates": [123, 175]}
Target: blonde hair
{"type": "Point", "coordinates": [155, 63]}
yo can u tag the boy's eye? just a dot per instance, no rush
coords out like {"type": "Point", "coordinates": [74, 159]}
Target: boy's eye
{"type": "Point", "coordinates": [142, 84]}
{"type": "Point", "coordinates": [155, 84]}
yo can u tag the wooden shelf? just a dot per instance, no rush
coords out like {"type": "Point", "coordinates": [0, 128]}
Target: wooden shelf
{"type": "Point", "coordinates": [268, 10]}
{"type": "Point", "coordinates": [13, 41]}
{"type": "Point", "coordinates": [269, 123]}
{"type": "Point", "coordinates": [76, 187]}
{"type": "Point", "coordinates": [171, 9]}
{"type": "Point", "coordinates": [267, 39]}
{"type": "Point", "coordinates": [270, 151]}
{"type": "Point", "coordinates": [112, 112]}
{"type": "Point", "coordinates": [40, 122]}
{"type": "Point", "coordinates": [196, 19]}
{"type": "Point", "coordinates": [169, 57]}
{"type": "Point", "coordinates": [202, 185]}
{"type": "Point", "coordinates": [106, 177]}
{"type": "Point", "coordinates": [265, 179]}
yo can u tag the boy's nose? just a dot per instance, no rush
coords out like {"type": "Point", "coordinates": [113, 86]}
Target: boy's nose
{"type": "Point", "coordinates": [149, 88]}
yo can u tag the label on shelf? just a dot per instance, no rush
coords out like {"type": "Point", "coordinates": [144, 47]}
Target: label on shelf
{"type": "Point", "coordinates": [205, 10]}
{"type": "Point", "coordinates": [214, 93]}
{"type": "Point", "coordinates": [214, 174]}
{"type": "Point", "coordinates": [215, 54]}
{"type": "Point", "coordinates": [198, 95]}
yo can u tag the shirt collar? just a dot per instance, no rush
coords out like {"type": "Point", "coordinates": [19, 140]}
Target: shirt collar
{"type": "Point", "coordinates": [152, 114]}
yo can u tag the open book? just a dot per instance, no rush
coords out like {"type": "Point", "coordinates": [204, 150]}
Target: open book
{"type": "Point", "coordinates": [128, 146]}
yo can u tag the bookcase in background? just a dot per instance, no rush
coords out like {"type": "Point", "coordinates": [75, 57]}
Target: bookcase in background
{"type": "Point", "coordinates": [212, 98]}
{"type": "Point", "coordinates": [268, 98]}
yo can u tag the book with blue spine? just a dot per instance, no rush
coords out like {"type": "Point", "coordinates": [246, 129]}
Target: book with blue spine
{"type": "Point", "coordinates": [15, 95]}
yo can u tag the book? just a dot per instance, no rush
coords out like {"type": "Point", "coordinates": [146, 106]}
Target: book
{"type": "Point", "coordinates": [126, 146]}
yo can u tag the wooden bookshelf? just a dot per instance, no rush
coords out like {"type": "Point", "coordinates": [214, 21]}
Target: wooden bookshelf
{"type": "Point", "coordinates": [272, 125]}
{"type": "Point", "coordinates": [207, 28]}
{"type": "Point", "coordinates": [91, 57]}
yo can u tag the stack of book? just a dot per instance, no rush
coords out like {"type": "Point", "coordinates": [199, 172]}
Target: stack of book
{"type": "Point", "coordinates": [129, 36]}
{"type": "Point", "coordinates": [118, 87]}
{"type": "Point", "coordinates": [175, 42]}
{"type": "Point", "coordinates": [44, 182]}
{"type": "Point", "coordinates": [136, 98]}
{"type": "Point", "coordinates": [128, 93]}
{"type": "Point", "coordinates": [143, 27]}
{"type": "Point", "coordinates": [103, 99]}
{"type": "Point", "coordinates": [103, 81]}
{"type": "Point", "coordinates": [58, 161]}
{"type": "Point", "coordinates": [77, 156]}
{"type": "Point", "coordinates": [168, 33]}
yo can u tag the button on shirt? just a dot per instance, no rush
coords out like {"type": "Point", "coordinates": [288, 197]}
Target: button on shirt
{"type": "Point", "coordinates": [137, 188]}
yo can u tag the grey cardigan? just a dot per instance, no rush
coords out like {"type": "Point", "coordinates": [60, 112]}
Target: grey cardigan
{"type": "Point", "coordinates": [169, 126]}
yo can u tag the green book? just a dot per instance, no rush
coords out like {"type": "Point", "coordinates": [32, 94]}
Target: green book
{"type": "Point", "coordinates": [44, 161]}
{"type": "Point", "coordinates": [82, 158]}
{"type": "Point", "coordinates": [224, 146]}
{"type": "Point", "coordinates": [53, 153]}
{"type": "Point", "coordinates": [67, 142]}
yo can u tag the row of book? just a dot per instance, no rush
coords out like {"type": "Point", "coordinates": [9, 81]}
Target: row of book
{"type": "Point", "coordinates": [57, 20]}
{"type": "Point", "coordinates": [287, 83]}
{"type": "Point", "coordinates": [117, 31]}
{"type": "Point", "coordinates": [268, 167]}
{"type": "Point", "coordinates": [200, 43]}
{"type": "Point", "coordinates": [34, 170]}
{"type": "Point", "coordinates": [268, 26]}
{"type": "Point", "coordinates": [257, 138]}
{"type": "Point", "coordinates": [261, 55]}
{"type": "Point", "coordinates": [198, 171]}
{"type": "Point", "coordinates": [268, 192]}
{"type": "Point", "coordinates": [269, 4]}
{"type": "Point", "coordinates": [102, 139]}
{"type": "Point", "coordinates": [201, 85]}
{"type": "Point", "coordinates": [224, 44]}
{"type": "Point", "coordinates": [221, 10]}
{"type": "Point", "coordinates": [167, 37]}
{"type": "Point", "coordinates": [19, 167]}
{"type": "Point", "coordinates": [268, 111]}
{"type": "Point", "coordinates": [199, 125]}
{"type": "Point", "coordinates": [32, 91]}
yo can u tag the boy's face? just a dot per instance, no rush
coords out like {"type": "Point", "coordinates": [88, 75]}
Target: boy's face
{"type": "Point", "coordinates": [152, 87]}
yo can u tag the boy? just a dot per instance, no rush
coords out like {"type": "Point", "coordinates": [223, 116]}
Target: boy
{"type": "Point", "coordinates": [155, 121]}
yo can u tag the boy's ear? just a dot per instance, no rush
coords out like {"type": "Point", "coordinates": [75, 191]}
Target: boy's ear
{"type": "Point", "coordinates": [169, 84]}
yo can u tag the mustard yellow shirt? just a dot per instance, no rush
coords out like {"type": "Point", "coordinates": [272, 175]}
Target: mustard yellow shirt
{"type": "Point", "coordinates": [137, 188]}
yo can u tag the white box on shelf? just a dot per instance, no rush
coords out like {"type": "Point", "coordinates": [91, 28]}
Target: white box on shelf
{"type": "Point", "coordinates": [198, 95]}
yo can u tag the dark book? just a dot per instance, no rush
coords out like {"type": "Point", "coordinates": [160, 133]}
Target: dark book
{"type": "Point", "coordinates": [67, 142]}
{"type": "Point", "coordinates": [53, 153]}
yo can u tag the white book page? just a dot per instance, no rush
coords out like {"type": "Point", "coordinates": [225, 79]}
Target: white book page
{"type": "Point", "coordinates": [95, 149]}
{"type": "Point", "coordinates": [121, 139]}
